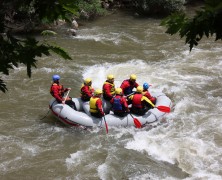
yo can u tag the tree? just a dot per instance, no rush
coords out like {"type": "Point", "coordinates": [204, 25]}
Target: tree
{"type": "Point", "coordinates": [15, 51]}
{"type": "Point", "coordinates": [29, 14]}
{"type": "Point", "coordinates": [206, 22]}
{"type": "Point", "coordinates": [157, 7]}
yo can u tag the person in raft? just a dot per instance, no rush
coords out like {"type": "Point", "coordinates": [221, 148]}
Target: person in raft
{"type": "Point", "coordinates": [119, 104]}
{"type": "Point", "coordinates": [57, 91]}
{"type": "Point", "coordinates": [86, 90]}
{"type": "Point", "coordinates": [147, 93]}
{"type": "Point", "coordinates": [109, 88]}
{"type": "Point", "coordinates": [140, 103]}
{"type": "Point", "coordinates": [95, 104]}
{"type": "Point", "coordinates": [128, 85]}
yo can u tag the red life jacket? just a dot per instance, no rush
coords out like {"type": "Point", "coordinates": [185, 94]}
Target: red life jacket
{"type": "Point", "coordinates": [136, 101]}
{"type": "Point", "coordinates": [60, 88]}
{"type": "Point", "coordinates": [86, 92]}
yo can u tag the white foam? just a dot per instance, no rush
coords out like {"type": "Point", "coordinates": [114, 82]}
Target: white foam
{"type": "Point", "coordinates": [75, 159]}
{"type": "Point", "coordinates": [152, 145]}
{"type": "Point", "coordinates": [121, 71]}
{"type": "Point", "coordinates": [29, 149]}
{"type": "Point", "coordinates": [102, 171]}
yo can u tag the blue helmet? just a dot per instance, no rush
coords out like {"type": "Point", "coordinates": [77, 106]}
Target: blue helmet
{"type": "Point", "coordinates": [146, 86]}
{"type": "Point", "coordinates": [55, 77]}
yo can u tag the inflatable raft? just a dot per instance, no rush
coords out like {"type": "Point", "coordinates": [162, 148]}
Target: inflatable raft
{"type": "Point", "coordinates": [81, 117]}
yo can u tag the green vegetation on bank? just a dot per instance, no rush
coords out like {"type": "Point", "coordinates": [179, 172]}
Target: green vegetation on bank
{"type": "Point", "coordinates": [28, 15]}
{"type": "Point", "coordinates": [157, 7]}
{"type": "Point", "coordinates": [206, 22]}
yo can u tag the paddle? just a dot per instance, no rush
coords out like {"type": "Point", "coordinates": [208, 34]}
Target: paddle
{"type": "Point", "coordinates": [136, 121]}
{"type": "Point", "coordinates": [106, 124]}
{"type": "Point", "coordinates": [130, 94]}
{"type": "Point", "coordinates": [66, 97]}
{"type": "Point", "coordinates": [63, 102]}
{"type": "Point", "coordinates": [163, 108]}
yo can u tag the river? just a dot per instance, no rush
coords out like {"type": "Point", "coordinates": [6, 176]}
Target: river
{"type": "Point", "coordinates": [188, 147]}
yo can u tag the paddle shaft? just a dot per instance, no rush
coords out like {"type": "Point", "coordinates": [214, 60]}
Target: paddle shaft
{"type": "Point", "coordinates": [131, 115]}
{"type": "Point", "coordinates": [130, 94]}
{"type": "Point", "coordinates": [66, 95]}
{"type": "Point", "coordinates": [105, 124]}
{"type": "Point", "coordinates": [64, 102]}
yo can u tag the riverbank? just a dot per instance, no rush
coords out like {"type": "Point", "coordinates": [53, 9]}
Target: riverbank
{"type": "Point", "coordinates": [21, 24]}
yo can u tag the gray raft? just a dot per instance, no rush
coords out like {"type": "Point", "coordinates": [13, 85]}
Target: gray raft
{"type": "Point", "coordinates": [82, 117]}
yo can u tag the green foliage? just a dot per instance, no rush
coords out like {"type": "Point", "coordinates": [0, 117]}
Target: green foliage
{"type": "Point", "coordinates": [51, 10]}
{"type": "Point", "coordinates": [15, 51]}
{"type": "Point", "coordinates": [60, 51]}
{"type": "Point", "coordinates": [206, 22]}
{"type": "Point", "coordinates": [48, 33]}
{"type": "Point", "coordinates": [90, 9]}
{"type": "Point", "coordinates": [3, 86]}
{"type": "Point", "coordinates": [158, 7]}
{"type": "Point", "coordinates": [176, 22]}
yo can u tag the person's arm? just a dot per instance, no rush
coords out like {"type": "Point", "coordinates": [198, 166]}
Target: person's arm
{"type": "Point", "coordinates": [147, 94]}
{"type": "Point", "coordinates": [123, 85]}
{"type": "Point", "coordinates": [125, 104]}
{"type": "Point", "coordinates": [151, 98]}
{"type": "Point", "coordinates": [67, 89]}
{"type": "Point", "coordinates": [111, 101]}
{"type": "Point", "coordinates": [99, 106]}
{"type": "Point", "coordinates": [145, 99]}
{"type": "Point", "coordinates": [136, 85]}
{"type": "Point", "coordinates": [130, 98]}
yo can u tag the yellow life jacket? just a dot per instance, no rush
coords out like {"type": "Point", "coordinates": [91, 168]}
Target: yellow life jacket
{"type": "Point", "coordinates": [112, 90]}
{"type": "Point", "coordinates": [92, 105]}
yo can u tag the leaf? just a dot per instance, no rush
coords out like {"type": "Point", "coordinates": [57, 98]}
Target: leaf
{"type": "Point", "coordinates": [72, 10]}
{"type": "Point", "coordinates": [60, 51]}
{"type": "Point", "coordinates": [3, 86]}
{"type": "Point", "coordinates": [48, 32]}
{"type": "Point", "coordinates": [206, 22]}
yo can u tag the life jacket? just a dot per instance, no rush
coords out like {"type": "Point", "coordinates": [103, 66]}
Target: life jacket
{"type": "Point", "coordinates": [136, 101]}
{"type": "Point", "coordinates": [112, 90]}
{"type": "Point", "coordinates": [129, 89]}
{"type": "Point", "coordinates": [85, 96]}
{"type": "Point", "coordinates": [92, 105]}
{"type": "Point", "coordinates": [117, 106]}
{"type": "Point", "coordinates": [147, 94]}
{"type": "Point", "coordinates": [60, 87]}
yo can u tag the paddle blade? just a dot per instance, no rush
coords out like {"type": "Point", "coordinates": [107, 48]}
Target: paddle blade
{"type": "Point", "coordinates": [163, 109]}
{"type": "Point", "coordinates": [137, 123]}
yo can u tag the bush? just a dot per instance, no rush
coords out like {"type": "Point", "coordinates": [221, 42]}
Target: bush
{"type": "Point", "coordinates": [90, 9]}
{"type": "Point", "coordinates": [158, 7]}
